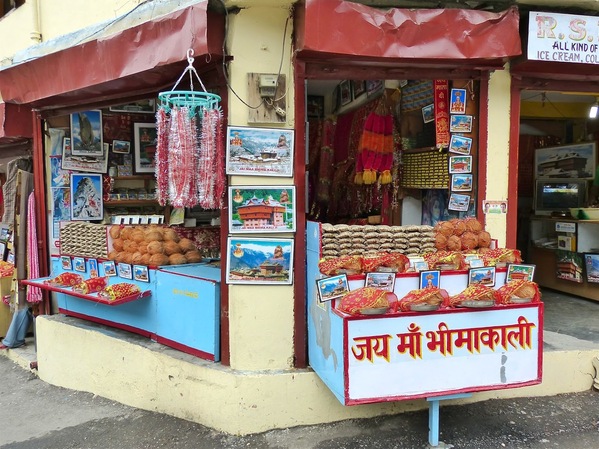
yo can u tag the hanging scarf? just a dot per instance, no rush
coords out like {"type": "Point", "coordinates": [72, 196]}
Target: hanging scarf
{"type": "Point", "coordinates": [34, 294]}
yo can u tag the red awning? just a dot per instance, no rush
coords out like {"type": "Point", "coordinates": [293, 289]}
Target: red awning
{"type": "Point", "coordinates": [15, 123]}
{"type": "Point", "coordinates": [137, 61]}
{"type": "Point", "coordinates": [352, 33]}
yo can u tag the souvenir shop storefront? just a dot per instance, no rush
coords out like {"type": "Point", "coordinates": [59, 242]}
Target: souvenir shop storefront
{"type": "Point", "coordinates": [394, 82]}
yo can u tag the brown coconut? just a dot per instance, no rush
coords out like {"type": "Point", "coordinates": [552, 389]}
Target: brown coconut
{"type": "Point", "coordinates": [458, 226]}
{"type": "Point", "coordinates": [440, 241]}
{"type": "Point", "coordinates": [469, 240]}
{"type": "Point", "coordinates": [193, 256]}
{"type": "Point", "coordinates": [142, 247]}
{"type": "Point", "coordinates": [130, 246]}
{"type": "Point", "coordinates": [159, 259]}
{"type": "Point", "coordinates": [120, 257]}
{"type": "Point", "coordinates": [145, 259]}
{"type": "Point", "coordinates": [115, 232]}
{"type": "Point", "coordinates": [177, 259]}
{"type": "Point", "coordinates": [126, 232]}
{"type": "Point", "coordinates": [117, 244]}
{"type": "Point", "coordinates": [171, 247]}
{"type": "Point", "coordinates": [484, 239]}
{"type": "Point", "coordinates": [454, 243]}
{"type": "Point", "coordinates": [473, 225]}
{"type": "Point", "coordinates": [170, 234]}
{"type": "Point", "coordinates": [154, 236]}
{"type": "Point", "coordinates": [155, 247]}
{"type": "Point", "coordinates": [112, 255]}
{"type": "Point", "coordinates": [187, 245]}
{"type": "Point", "coordinates": [137, 236]}
{"type": "Point", "coordinates": [136, 258]}
{"type": "Point", "coordinates": [445, 228]}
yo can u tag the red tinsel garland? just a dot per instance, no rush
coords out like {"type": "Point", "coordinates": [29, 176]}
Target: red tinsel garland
{"type": "Point", "coordinates": [161, 159]}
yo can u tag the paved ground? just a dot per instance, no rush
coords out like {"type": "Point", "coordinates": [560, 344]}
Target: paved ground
{"type": "Point", "coordinates": [35, 415]}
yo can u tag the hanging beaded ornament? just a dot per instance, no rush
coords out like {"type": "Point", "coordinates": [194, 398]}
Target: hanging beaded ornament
{"type": "Point", "coordinates": [190, 146]}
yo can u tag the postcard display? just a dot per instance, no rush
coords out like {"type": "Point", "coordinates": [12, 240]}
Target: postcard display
{"type": "Point", "coordinates": [408, 355]}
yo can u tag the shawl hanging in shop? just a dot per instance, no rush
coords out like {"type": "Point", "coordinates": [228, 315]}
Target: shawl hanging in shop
{"type": "Point", "coordinates": [34, 294]}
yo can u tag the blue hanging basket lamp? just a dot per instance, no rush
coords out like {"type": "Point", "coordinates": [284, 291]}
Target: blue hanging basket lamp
{"type": "Point", "coordinates": [196, 101]}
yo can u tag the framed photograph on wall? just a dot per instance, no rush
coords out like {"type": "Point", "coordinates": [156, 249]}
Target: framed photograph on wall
{"type": "Point", "coordinates": [373, 87]}
{"type": "Point", "coordinates": [259, 261]}
{"type": "Point", "coordinates": [358, 88]}
{"type": "Point", "coordinates": [459, 202]}
{"type": "Point", "coordinates": [261, 209]}
{"type": "Point", "coordinates": [592, 267]}
{"type": "Point", "coordinates": [460, 144]}
{"type": "Point", "coordinates": [428, 113]}
{"type": "Point", "coordinates": [141, 273]}
{"type": "Point", "coordinates": [121, 146]}
{"type": "Point", "coordinates": [332, 287]}
{"type": "Point", "coordinates": [430, 279]}
{"type": "Point", "coordinates": [86, 133]}
{"type": "Point", "coordinates": [144, 147]}
{"type": "Point", "coordinates": [461, 183]}
{"type": "Point", "coordinates": [460, 124]}
{"type": "Point", "coordinates": [460, 164]}
{"type": "Point", "coordinates": [315, 106]}
{"type": "Point", "coordinates": [124, 270]}
{"type": "Point", "coordinates": [260, 151]}
{"type": "Point", "coordinates": [458, 101]}
{"type": "Point", "coordinates": [566, 161]}
{"type": "Point", "coordinates": [2, 251]}
{"type": "Point", "coordinates": [66, 262]}
{"type": "Point", "coordinates": [79, 264]}
{"type": "Point", "coordinates": [90, 164]}
{"type": "Point", "coordinates": [345, 96]}
{"type": "Point", "coordinates": [86, 197]}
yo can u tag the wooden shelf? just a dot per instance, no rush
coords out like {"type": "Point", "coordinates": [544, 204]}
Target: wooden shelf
{"type": "Point", "coordinates": [92, 297]}
{"type": "Point", "coordinates": [115, 203]}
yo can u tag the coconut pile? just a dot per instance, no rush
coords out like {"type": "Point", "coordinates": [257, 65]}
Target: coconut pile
{"type": "Point", "coordinates": [461, 235]}
{"type": "Point", "coordinates": [152, 245]}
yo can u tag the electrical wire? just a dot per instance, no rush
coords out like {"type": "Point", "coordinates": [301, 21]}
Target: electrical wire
{"type": "Point", "coordinates": [265, 101]}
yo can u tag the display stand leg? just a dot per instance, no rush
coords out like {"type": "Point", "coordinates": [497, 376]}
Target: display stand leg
{"type": "Point", "coordinates": [433, 416]}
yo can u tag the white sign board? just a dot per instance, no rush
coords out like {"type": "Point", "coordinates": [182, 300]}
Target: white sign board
{"type": "Point", "coordinates": [423, 355]}
{"type": "Point", "coordinates": [563, 38]}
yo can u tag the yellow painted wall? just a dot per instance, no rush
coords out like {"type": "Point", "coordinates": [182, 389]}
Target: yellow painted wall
{"type": "Point", "coordinates": [260, 317]}
{"type": "Point", "coordinates": [498, 145]}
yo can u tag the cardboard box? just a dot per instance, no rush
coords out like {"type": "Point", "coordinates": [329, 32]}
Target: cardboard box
{"type": "Point", "coordinates": [567, 243]}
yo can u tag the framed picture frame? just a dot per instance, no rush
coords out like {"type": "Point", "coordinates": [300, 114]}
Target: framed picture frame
{"type": "Point", "coordinates": [461, 183]}
{"type": "Point", "coordinates": [259, 151]}
{"type": "Point", "coordinates": [420, 265]}
{"type": "Point", "coordinates": [109, 268]}
{"type": "Point", "coordinates": [79, 264]}
{"type": "Point", "coordinates": [459, 202]}
{"type": "Point", "coordinates": [460, 123]}
{"type": "Point", "coordinates": [381, 280]}
{"type": "Point", "coordinates": [86, 197]}
{"type": "Point", "coordinates": [11, 257]}
{"type": "Point", "coordinates": [93, 268]}
{"type": "Point", "coordinates": [66, 262]}
{"type": "Point", "coordinates": [495, 207]}
{"type": "Point", "coordinates": [259, 261]}
{"type": "Point", "coordinates": [144, 147]}
{"type": "Point", "coordinates": [345, 95]}
{"type": "Point", "coordinates": [457, 103]}
{"type": "Point", "coordinates": [2, 251]}
{"type": "Point", "coordinates": [460, 144]}
{"type": "Point", "coordinates": [141, 273]}
{"type": "Point", "coordinates": [358, 88]}
{"type": "Point", "coordinates": [138, 107]}
{"type": "Point", "coordinates": [373, 87]}
{"type": "Point", "coordinates": [430, 279]}
{"type": "Point", "coordinates": [460, 164]}
{"type": "Point", "coordinates": [476, 262]}
{"type": "Point", "coordinates": [566, 161]}
{"type": "Point", "coordinates": [332, 287]}
{"type": "Point", "coordinates": [521, 272]}
{"type": "Point", "coordinates": [124, 270]}
{"type": "Point", "coordinates": [428, 113]}
{"type": "Point", "coordinates": [591, 262]}
{"type": "Point", "coordinates": [86, 133]}
{"type": "Point", "coordinates": [315, 106]}
{"type": "Point", "coordinates": [89, 164]}
{"type": "Point", "coordinates": [264, 209]}
{"type": "Point", "coordinates": [121, 146]}
{"type": "Point", "coordinates": [482, 275]}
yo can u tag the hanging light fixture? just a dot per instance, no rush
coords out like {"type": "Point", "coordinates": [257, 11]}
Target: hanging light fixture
{"type": "Point", "coordinates": [594, 109]}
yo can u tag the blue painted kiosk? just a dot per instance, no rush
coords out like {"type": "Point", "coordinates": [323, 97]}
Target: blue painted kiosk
{"type": "Point", "coordinates": [179, 306]}
{"type": "Point", "coordinates": [444, 354]}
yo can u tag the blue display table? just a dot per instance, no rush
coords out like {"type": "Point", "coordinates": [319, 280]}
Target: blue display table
{"type": "Point", "coordinates": [178, 307]}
